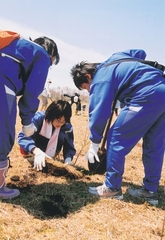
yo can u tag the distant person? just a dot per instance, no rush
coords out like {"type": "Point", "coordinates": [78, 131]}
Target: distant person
{"type": "Point", "coordinates": [54, 133]}
{"type": "Point", "coordinates": [83, 107]}
{"type": "Point", "coordinates": [24, 66]}
{"type": "Point", "coordinates": [141, 87]}
{"type": "Point", "coordinates": [75, 99]}
{"type": "Point", "coordinates": [45, 95]}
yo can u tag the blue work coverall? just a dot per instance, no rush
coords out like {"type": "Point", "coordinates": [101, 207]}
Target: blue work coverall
{"type": "Point", "coordinates": [23, 76]}
{"type": "Point", "coordinates": [141, 88]}
{"type": "Point", "coordinates": [64, 143]}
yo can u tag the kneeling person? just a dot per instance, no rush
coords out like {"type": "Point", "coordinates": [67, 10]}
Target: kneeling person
{"type": "Point", "coordinates": [54, 132]}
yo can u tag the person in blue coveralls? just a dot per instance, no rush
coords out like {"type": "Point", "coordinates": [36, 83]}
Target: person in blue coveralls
{"type": "Point", "coordinates": [54, 132]}
{"type": "Point", "coordinates": [24, 66]}
{"type": "Point", "coordinates": [141, 88]}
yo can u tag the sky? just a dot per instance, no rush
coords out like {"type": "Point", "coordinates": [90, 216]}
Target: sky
{"type": "Point", "coordinates": [88, 30]}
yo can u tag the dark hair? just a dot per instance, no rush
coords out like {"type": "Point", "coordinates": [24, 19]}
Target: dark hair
{"type": "Point", "coordinates": [79, 70]}
{"type": "Point", "coordinates": [57, 109]}
{"type": "Point", "coordinates": [50, 46]}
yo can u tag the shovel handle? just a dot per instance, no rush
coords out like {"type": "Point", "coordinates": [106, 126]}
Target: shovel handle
{"type": "Point", "coordinates": [102, 147]}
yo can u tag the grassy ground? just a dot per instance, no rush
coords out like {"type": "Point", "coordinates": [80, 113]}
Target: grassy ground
{"type": "Point", "coordinates": [56, 205]}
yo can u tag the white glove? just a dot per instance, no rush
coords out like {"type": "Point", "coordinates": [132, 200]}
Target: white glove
{"type": "Point", "coordinates": [92, 152]}
{"type": "Point", "coordinates": [29, 130]}
{"type": "Point", "coordinates": [39, 158]}
{"type": "Point", "coordinates": [68, 161]}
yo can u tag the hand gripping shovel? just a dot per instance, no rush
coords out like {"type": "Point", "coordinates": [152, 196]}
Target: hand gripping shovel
{"type": "Point", "coordinates": [100, 167]}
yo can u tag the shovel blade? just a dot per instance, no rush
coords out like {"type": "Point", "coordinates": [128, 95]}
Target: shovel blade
{"type": "Point", "coordinates": [98, 167]}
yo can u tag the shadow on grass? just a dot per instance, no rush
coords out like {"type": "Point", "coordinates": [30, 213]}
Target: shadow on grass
{"type": "Point", "coordinates": [52, 200]}
{"type": "Point", "coordinates": [57, 200]}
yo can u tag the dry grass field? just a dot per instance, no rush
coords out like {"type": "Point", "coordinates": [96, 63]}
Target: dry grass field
{"type": "Point", "coordinates": [55, 205]}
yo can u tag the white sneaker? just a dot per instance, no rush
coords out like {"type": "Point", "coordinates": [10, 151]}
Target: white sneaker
{"type": "Point", "coordinates": [68, 161]}
{"type": "Point", "coordinates": [105, 192]}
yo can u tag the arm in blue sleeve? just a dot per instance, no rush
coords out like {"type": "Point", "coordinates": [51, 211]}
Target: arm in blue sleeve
{"type": "Point", "coordinates": [28, 143]}
{"type": "Point", "coordinates": [28, 103]}
{"type": "Point", "coordinates": [101, 99]}
{"type": "Point", "coordinates": [68, 147]}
